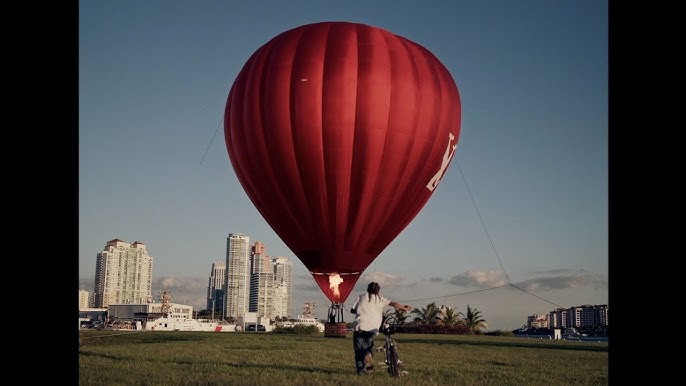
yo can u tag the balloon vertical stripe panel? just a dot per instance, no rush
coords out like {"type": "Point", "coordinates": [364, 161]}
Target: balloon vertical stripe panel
{"type": "Point", "coordinates": [371, 125]}
{"type": "Point", "coordinates": [339, 97]}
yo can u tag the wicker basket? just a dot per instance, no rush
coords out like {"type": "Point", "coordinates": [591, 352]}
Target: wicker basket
{"type": "Point", "coordinates": [335, 330]}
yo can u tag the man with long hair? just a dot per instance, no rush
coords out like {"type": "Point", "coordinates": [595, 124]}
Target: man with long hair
{"type": "Point", "coordinates": [368, 310]}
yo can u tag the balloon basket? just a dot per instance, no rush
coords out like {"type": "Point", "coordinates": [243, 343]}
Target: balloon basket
{"type": "Point", "coordinates": [335, 330]}
{"type": "Point", "coordinates": [335, 327]}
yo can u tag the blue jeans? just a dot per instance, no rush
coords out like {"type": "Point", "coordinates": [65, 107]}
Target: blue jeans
{"type": "Point", "coordinates": [363, 343]}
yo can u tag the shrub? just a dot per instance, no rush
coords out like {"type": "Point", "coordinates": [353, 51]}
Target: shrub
{"type": "Point", "coordinates": [456, 329]}
{"type": "Point", "coordinates": [499, 333]}
{"type": "Point", "coordinates": [298, 329]}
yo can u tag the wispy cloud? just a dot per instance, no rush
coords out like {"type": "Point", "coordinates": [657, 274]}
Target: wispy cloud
{"type": "Point", "coordinates": [478, 279]}
{"type": "Point", "coordinates": [547, 280]}
{"type": "Point", "coordinates": [563, 282]}
{"type": "Point", "coordinates": [191, 290]}
{"type": "Point", "coordinates": [385, 280]}
{"type": "Point", "coordinates": [86, 283]}
{"type": "Point", "coordinates": [561, 271]}
{"type": "Point", "coordinates": [306, 287]}
{"type": "Point", "coordinates": [189, 282]}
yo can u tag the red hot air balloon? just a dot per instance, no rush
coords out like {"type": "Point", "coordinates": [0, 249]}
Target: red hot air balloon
{"type": "Point", "coordinates": [339, 133]}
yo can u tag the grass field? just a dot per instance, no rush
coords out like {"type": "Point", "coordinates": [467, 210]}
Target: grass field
{"type": "Point", "coordinates": [258, 358]}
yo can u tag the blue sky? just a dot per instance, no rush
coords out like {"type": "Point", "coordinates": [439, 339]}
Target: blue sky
{"type": "Point", "coordinates": [525, 200]}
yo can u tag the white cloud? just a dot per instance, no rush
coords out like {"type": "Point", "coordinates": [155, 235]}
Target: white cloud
{"type": "Point", "coordinates": [563, 282]}
{"type": "Point", "coordinates": [478, 279]}
{"type": "Point", "coordinates": [384, 279]}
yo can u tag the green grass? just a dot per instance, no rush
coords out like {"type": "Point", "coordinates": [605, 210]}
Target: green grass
{"type": "Point", "coordinates": [250, 358]}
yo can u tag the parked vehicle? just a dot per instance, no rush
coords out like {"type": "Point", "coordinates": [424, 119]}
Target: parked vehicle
{"type": "Point", "coordinates": [252, 327]}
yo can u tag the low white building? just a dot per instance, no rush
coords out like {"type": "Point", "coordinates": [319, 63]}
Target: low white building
{"type": "Point", "coordinates": [251, 318]}
{"type": "Point", "coordinates": [148, 311]}
{"type": "Point", "coordinates": [89, 317]}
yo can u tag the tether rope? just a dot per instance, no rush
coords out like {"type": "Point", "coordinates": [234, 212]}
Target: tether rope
{"type": "Point", "coordinates": [495, 252]}
{"type": "Point", "coordinates": [212, 139]}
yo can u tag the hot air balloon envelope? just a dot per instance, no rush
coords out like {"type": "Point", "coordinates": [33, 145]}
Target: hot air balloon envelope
{"type": "Point", "coordinates": [339, 133]}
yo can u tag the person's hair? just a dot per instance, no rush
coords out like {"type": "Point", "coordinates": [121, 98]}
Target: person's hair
{"type": "Point", "coordinates": [373, 289]}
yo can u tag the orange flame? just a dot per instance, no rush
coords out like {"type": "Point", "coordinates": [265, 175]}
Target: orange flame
{"type": "Point", "coordinates": [334, 281]}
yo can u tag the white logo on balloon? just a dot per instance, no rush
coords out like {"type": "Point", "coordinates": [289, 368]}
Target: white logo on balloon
{"type": "Point", "coordinates": [447, 156]}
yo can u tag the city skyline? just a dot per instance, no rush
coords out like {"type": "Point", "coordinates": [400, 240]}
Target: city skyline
{"type": "Point", "coordinates": [518, 224]}
{"type": "Point", "coordinates": [248, 281]}
{"type": "Point", "coordinates": [198, 302]}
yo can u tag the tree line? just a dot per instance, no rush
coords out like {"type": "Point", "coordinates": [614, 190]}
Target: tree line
{"type": "Point", "coordinates": [431, 319]}
{"type": "Point", "coordinates": [436, 319]}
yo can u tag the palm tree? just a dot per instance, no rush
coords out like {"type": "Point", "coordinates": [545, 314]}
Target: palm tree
{"type": "Point", "coordinates": [426, 315]}
{"type": "Point", "coordinates": [395, 314]}
{"type": "Point", "coordinates": [400, 316]}
{"type": "Point", "coordinates": [387, 314]}
{"type": "Point", "coordinates": [449, 316]}
{"type": "Point", "coordinates": [474, 320]}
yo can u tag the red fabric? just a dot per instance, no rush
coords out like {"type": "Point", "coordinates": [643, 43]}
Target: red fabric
{"type": "Point", "coordinates": [335, 131]}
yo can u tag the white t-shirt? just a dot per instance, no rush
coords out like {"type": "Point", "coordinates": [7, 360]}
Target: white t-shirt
{"type": "Point", "coordinates": [369, 314]}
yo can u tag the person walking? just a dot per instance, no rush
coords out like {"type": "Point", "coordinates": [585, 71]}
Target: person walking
{"type": "Point", "coordinates": [368, 309]}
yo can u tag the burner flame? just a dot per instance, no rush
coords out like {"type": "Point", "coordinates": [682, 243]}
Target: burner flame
{"type": "Point", "coordinates": [334, 281]}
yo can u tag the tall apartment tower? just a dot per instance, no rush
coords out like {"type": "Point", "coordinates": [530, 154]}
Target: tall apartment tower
{"type": "Point", "coordinates": [283, 283]}
{"type": "Point", "coordinates": [123, 274]}
{"type": "Point", "coordinates": [261, 282]}
{"type": "Point", "coordinates": [215, 287]}
{"type": "Point", "coordinates": [259, 261]}
{"type": "Point", "coordinates": [270, 284]}
{"type": "Point", "coordinates": [237, 280]}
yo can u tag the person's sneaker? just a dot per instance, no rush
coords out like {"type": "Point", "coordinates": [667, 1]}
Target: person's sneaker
{"type": "Point", "coordinates": [368, 364]}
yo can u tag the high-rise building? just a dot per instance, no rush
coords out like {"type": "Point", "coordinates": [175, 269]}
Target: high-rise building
{"type": "Point", "coordinates": [588, 315]}
{"type": "Point", "coordinates": [237, 275]}
{"type": "Point", "coordinates": [123, 274]}
{"type": "Point", "coordinates": [84, 299]}
{"type": "Point", "coordinates": [558, 318]}
{"type": "Point", "coordinates": [538, 321]}
{"type": "Point", "coordinates": [259, 260]}
{"type": "Point", "coordinates": [283, 283]}
{"type": "Point", "coordinates": [215, 287]}
{"type": "Point", "coordinates": [261, 282]}
{"type": "Point", "coordinates": [262, 294]}
{"type": "Point", "coordinates": [270, 291]}
{"type": "Point", "coordinates": [253, 282]}
{"type": "Point", "coordinates": [579, 316]}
